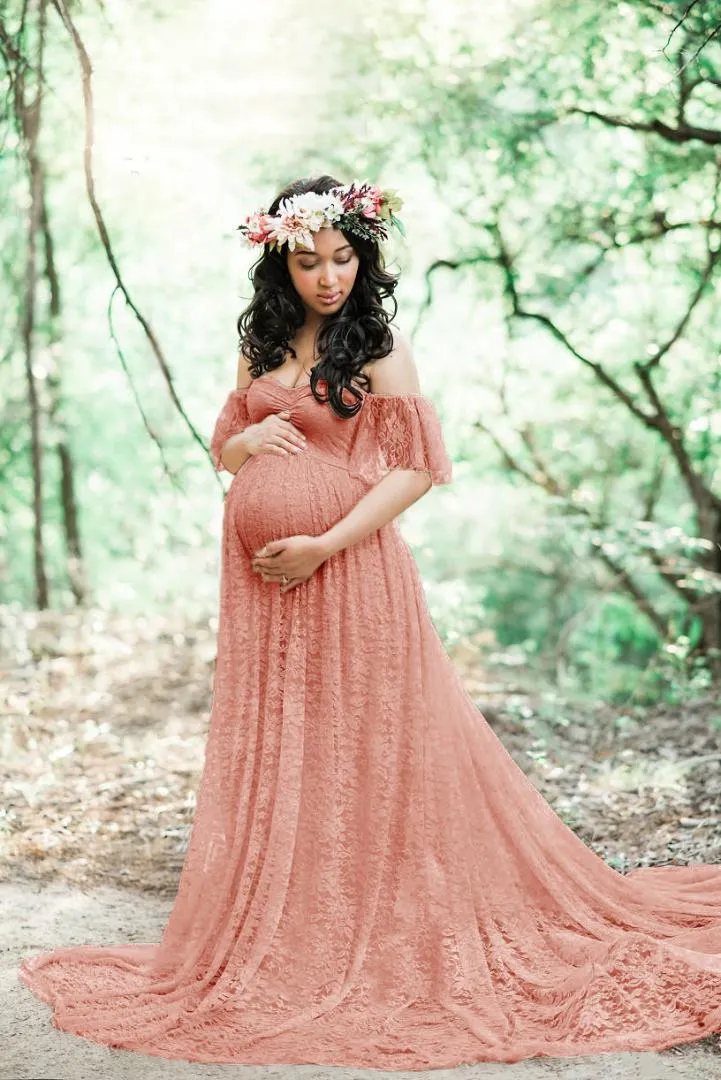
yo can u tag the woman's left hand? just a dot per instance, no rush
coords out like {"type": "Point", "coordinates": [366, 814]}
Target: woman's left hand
{"type": "Point", "coordinates": [295, 556]}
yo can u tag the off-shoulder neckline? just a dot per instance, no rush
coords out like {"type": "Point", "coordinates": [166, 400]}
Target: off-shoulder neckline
{"type": "Point", "coordinates": [306, 386]}
{"type": "Point", "coordinates": [282, 385]}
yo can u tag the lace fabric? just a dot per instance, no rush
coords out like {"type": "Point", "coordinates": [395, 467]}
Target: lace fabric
{"type": "Point", "coordinates": [399, 432]}
{"type": "Point", "coordinates": [232, 419]}
{"type": "Point", "coordinates": [371, 880]}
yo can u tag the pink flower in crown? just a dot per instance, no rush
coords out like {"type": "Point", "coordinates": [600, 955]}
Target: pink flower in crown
{"type": "Point", "coordinates": [294, 230]}
{"type": "Point", "coordinates": [256, 227]}
{"type": "Point", "coordinates": [363, 198]}
{"type": "Point", "coordinates": [371, 202]}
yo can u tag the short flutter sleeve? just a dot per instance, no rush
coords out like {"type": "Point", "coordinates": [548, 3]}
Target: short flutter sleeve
{"type": "Point", "coordinates": [399, 431]}
{"type": "Point", "coordinates": [233, 417]}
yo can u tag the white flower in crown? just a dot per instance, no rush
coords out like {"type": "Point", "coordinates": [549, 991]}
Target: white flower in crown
{"type": "Point", "coordinates": [313, 207]}
{"type": "Point", "coordinates": [299, 216]}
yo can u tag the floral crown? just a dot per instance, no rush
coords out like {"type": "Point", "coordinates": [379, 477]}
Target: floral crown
{"type": "Point", "coordinates": [359, 208]}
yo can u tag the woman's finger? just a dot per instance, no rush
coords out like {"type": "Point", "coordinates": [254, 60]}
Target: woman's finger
{"type": "Point", "coordinates": [272, 575]}
{"type": "Point", "coordinates": [296, 445]}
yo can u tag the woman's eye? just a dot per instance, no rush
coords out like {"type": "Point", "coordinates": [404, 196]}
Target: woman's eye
{"type": "Point", "coordinates": [311, 266]}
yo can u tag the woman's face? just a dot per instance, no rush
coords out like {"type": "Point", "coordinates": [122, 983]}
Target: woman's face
{"type": "Point", "coordinates": [329, 271]}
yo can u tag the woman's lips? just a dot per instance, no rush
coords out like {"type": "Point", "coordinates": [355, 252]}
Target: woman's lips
{"type": "Point", "coordinates": [329, 299]}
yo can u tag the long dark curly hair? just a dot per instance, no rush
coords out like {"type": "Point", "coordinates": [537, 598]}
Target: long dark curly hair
{"type": "Point", "coordinates": [347, 339]}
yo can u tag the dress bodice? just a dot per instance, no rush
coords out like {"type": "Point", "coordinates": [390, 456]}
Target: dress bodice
{"type": "Point", "coordinates": [400, 431]}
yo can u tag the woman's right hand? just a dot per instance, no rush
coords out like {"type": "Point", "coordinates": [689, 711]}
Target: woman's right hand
{"type": "Point", "coordinates": [274, 435]}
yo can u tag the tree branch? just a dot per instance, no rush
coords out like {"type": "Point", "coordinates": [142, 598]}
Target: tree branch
{"type": "Point", "coordinates": [87, 73]}
{"type": "Point", "coordinates": [680, 134]}
{"type": "Point", "coordinates": [543, 478]}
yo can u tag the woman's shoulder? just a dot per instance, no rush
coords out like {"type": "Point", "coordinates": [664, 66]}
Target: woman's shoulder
{"type": "Point", "coordinates": [243, 377]}
{"type": "Point", "coordinates": [395, 370]}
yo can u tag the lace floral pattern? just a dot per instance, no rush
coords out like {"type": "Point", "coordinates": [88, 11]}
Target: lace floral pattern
{"type": "Point", "coordinates": [233, 418]}
{"type": "Point", "coordinates": [371, 880]}
{"type": "Point", "coordinates": [409, 435]}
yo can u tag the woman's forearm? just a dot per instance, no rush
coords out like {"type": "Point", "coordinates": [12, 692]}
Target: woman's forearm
{"type": "Point", "coordinates": [234, 453]}
{"type": "Point", "coordinates": [398, 490]}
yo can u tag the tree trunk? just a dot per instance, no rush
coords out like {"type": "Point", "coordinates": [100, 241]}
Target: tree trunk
{"type": "Point", "coordinates": [709, 607]}
{"type": "Point", "coordinates": [30, 119]}
{"type": "Point", "coordinates": [71, 519]}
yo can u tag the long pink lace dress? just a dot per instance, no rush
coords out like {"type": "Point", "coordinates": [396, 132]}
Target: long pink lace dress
{"type": "Point", "coordinates": [370, 879]}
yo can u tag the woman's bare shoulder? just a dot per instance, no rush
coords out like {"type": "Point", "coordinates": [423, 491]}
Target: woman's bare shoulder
{"type": "Point", "coordinates": [396, 372]}
{"type": "Point", "coordinates": [243, 378]}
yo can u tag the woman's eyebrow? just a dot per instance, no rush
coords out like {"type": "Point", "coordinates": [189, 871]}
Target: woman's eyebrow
{"type": "Point", "coordinates": [335, 252]}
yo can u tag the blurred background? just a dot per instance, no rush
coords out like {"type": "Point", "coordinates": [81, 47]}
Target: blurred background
{"type": "Point", "coordinates": [560, 165]}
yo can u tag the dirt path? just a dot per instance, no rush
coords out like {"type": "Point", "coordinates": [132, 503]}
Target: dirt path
{"type": "Point", "coordinates": [40, 917]}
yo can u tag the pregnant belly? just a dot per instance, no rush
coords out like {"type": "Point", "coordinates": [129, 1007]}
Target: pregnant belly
{"type": "Point", "coordinates": [272, 497]}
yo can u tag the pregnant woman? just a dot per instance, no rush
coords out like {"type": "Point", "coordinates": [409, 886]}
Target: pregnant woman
{"type": "Point", "coordinates": [370, 879]}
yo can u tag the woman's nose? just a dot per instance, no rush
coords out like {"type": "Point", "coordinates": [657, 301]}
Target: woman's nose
{"type": "Point", "coordinates": [328, 277]}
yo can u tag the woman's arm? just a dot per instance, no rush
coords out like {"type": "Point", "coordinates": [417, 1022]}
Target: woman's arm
{"type": "Point", "coordinates": [235, 453]}
{"type": "Point", "coordinates": [400, 488]}
{"type": "Point", "coordinates": [389, 498]}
